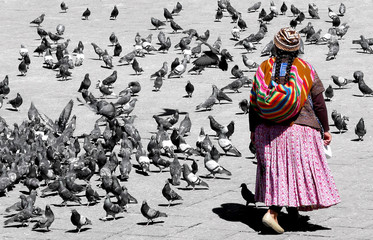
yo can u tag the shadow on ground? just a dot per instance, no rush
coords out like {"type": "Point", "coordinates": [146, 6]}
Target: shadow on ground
{"type": "Point", "coordinates": [252, 217]}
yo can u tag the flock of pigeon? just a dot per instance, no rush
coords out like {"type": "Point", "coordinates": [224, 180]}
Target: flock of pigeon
{"type": "Point", "coordinates": [49, 159]}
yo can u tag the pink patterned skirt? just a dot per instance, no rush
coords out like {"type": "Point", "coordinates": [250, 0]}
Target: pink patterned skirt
{"type": "Point", "coordinates": [292, 170]}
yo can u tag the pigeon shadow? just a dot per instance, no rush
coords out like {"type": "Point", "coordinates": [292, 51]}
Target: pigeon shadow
{"type": "Point", "coordinates": [338, 132]}
{"type": "Point", "coordinates": [15, 226]}
{"type": "Point", "coordinates": [186, 96]}
{"type": "Point", "coordinates": [191, 189]}
{"type": "Point", "coordinates": [106, 67]}
{"type": "Point", "coordinates": [234, 39]}
{"type": "Point", "coordinates": [41, 230]}
{"type": "Point", "coordinates": [21, 75]}
{"type": "Point", "coordinates": [212, 177]}
{"type": "Point", "coordinates": [252, 217]}
{"type": "Point", "coordinates": [203, 110]}
{"type": "Point", "coordinates": [356, 140]}
{"type": "Point", "coordinates": [240, 113]}
{"type": "Point", "coordinates": [110, 219]}
{"type": "Point", "coordinates": [76, 230]}
{"type": "Point", "coordinates": [134, 74]}
{"type": "Point", "coordinates": [172, 204]}
{"type": "Point", "coordinates": [67, 205]}
{"type": "Point", "coordinates": [11, 109]}
{"type": "Point", "coordinates": [170, 111]}
{"type": "Point", "coordinates": [141, 172]}
{"type": "Point", "coordinates": [150, 223]}
{"type": "Point", "coordinates": [355, 95]}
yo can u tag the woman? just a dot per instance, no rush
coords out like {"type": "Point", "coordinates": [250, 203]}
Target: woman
{"type": "Point", "coordinates": [287, 114]}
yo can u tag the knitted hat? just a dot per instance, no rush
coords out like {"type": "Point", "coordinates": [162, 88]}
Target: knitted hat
{"type": "Point", "coordinates": [287, 39]}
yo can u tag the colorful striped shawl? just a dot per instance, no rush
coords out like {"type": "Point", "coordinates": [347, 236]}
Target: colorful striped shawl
{"type": "Point", "coordinates": [281, 102]}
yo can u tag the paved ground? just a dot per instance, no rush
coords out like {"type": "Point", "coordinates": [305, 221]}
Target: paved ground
{"type": "Point", "coordinates": [220, 212]}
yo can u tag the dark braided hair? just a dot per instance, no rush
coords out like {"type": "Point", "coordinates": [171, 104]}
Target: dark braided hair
{"type": "Point", "coordinates": [280, 55]}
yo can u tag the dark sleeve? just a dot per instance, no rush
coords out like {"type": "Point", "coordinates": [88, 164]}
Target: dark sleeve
{"type": "Point", "coordinates": [320, 110]}
{"type": "Point", "coordinates": [254, 119]}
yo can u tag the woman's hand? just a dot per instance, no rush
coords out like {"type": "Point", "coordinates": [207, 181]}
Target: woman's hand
{"type": "Point", "coordinates": [327, 138]}
{"type": "Point", "coordinates": [252, 137]}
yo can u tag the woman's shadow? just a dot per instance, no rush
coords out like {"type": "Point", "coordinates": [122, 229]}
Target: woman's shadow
{"type": "Point", "coordinates": [252, 217]}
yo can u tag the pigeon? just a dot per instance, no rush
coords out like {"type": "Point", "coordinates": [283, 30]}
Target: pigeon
{"type": "Point", "coordinates": [244, 105]}
{"type": "Point", "coordinates": [342, 30]}
{"type": "Point", "coordinates": [336, 22]}
{"type": "Point", "coordinates": [241, 23]}
{"type": "Point", "coordinates": [214, 167]}
{"type": "Point", "coordinates": [283, 8]}
{"type": "Point", "coordinates": [114, 13]}
{"type": "Point", "coordinates": [262, 14]}
{"type": "Point", "coordinates": [113, 38]}
{"type": "Point", "coordinates": [165, 46]}
{"type": "Point", "coordinates": [158, 82]}
{"type": "Point", "coordinates": [60, 29]}
{"type": "Point", "coordinates": [162, 72]}
{"type": "Point", "coordinates": [85, 84]}
{"type": "Point", "coordinates": [227, 145]}
{"type": "Point", "coordinates": [364, 89]}
{"type": "Point", "coordinates": [167, 14]}
{"type": "Point", "coordinates": [179, 69]}
{"type": "Point", "coordinates": [340, 81]}
{"type": "Point", "coordinates": [117, 49]}
{"type": "Point", "coordinates": [222, 96]}
{"type": "Point", "coordinates": [267, 50]}
{"type": "Point", "coordinates": [185, 125]}
{"type": "Point", "coordinates": [64, 7]}
{"type": "Point", "coordinates": [79, 220]}
{"type": "Point", "coordinates": [254, 7]}
{"type": "Point", "coordinates": [216, 127]}
{"type": "Point", "coordinates": [360, 129]}
{"type": "Point", "coordinates": [98, 50]}
{"type": "Point", "coordinates": [365, 45]}
{"type": "Point", "coordinates": [236, 33]}
{"type": "Point", "coordinates": [157, 23]}
{"type": "Point", "coordinates": [79, 58]}
{"type": "Point", "coordinates": [331, 13]}
{"type": "Point", "coordinates": [333, 46]}
{"type": "Point", "coordinates": [175, 171]}
{"type": "Point", "coordinates": [170, 194]}
{"type": "Point", "coordinates": [38, 20]}
{"type": "Point", "coordinates": [41, 32]}
{"type": "Point", "coordinates": [340, 123]}
{"type": "Point", "coordinates": [314, 38]}
{"type": "Point", "coordinates": [128, 57]}
{"type": "Point", "coordinates": [175, 27]}
{"type": "Point", "coordinates": [177, 8]}
{"type": "Point", "coordinates": [329, 92]}
{"type": "Point", "coordinates": [135, 87]}
{"type": "Point", "coordinates": [236, 71]}
{"type": "Point", "coordinates": [192, 179]}
{"type": "Point", "coordinates": [342, 9]}
{"type": "Point", "coordinates": [46, 220]}
{"type": "Point", "coordinates": [189, 88]}
{"type": "Point", "coordinates": [66, 194]}
{"type": "Point", "coordinates": [250, 64]}
{"type": "Point", "coordinates": [267, 18]}
{"type": "Point", "coordinates": [294, 10]}
{"type": "Point", "coordinates": [16, 102]}
{"type": "Point", "coordinates": [54, 37]}
{"type": "Point", "coordinates": [22, 67]}
{"type": "Point", "coordinates": [249, 46]}
{"type": "Point", "coordinates": [210, 101]}
{"type": "Point", "coordinates": [23, 216]}
{"type": "Point", "coordinates": [236, 84]}
{"type": "Point", "coordinates": [108, 60]}
{"type": "Point", "coordinates": [150, 213]}
{"type": "Point", "coordinates": [136, 66]}
{"type": "Point", "coordinates": [300, 17]}
{"type": "Point", "coordinates": [86, 14]}
{"type": "Point", "coordinates": [218, 15]}
{"type": "Point", "coordinates": [111, 79]}
{"type": "Point", "coordinates": [91, 195]}
{"type": "Point", "coordinates": [313, 11]}
{"type": "Point", "coordinates": [247, 194]}
{"type": "Point", "coordinates": [112, 208]}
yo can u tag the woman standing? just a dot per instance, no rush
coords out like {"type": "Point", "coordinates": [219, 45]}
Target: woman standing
{"type": "Point", "coordinates": [287, 114]}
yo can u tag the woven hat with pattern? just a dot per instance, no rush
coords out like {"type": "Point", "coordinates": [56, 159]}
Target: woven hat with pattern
{"type": "Point", "coordinates": [287, 39]}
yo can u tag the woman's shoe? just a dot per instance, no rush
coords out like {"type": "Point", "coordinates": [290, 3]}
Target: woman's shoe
{"type": "Point", "coordinates": [270, 222]}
